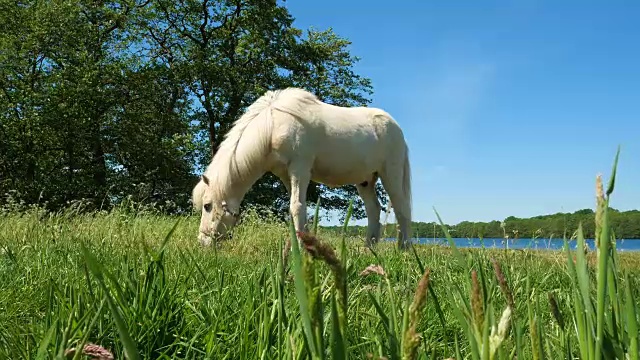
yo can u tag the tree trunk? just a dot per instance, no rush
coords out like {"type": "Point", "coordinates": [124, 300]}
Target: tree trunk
{"type": "Point", "coordinates": [213, 144]}
{"type": "Point", "coordinates": [99, 167]}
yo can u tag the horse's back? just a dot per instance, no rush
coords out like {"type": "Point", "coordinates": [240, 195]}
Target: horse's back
{"type": "Point", "coordinates": [350, 144]}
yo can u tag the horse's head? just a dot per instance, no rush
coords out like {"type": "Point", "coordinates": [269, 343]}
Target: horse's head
{"type": "Point", "coordinates": [218, 218]}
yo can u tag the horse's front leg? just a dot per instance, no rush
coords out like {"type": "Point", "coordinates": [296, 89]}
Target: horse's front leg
{"type": "Point", "coordinates": [297, 205]}
{"type": "Point", "coordinates": [299, 178]}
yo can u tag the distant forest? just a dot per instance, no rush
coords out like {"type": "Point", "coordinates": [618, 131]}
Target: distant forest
{"type": "Point", "coordinates": [625, 224]}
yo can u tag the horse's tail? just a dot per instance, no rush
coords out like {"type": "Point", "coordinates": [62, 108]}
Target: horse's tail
{"type": "Point", "coordinates": [406, 180]}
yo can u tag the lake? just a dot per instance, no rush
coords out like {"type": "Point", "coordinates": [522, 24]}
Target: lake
{"type": "Point", "coordinates": [537, 244]}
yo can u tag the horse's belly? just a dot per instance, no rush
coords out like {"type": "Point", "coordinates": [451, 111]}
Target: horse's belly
{"type": "Point", "coordinates": [340, 172]}
{"type": "Point", "coordinates": [336, 180]}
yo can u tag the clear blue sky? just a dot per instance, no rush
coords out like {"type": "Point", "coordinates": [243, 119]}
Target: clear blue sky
{"type": "Point", "coordinates": [509, 108]}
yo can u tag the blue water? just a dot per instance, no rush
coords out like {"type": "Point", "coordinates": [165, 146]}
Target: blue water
{"type": "Point", "coordinates": [537, 244]}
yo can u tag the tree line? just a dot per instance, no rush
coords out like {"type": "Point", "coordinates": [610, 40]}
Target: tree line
{"type": "Point", "coordinates": [105, 102]}
{"type": "Point", "coordinates": [625, 224]}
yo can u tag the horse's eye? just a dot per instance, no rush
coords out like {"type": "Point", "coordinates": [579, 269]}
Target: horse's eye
{"type": "Point", "coordinates": [207, 207]}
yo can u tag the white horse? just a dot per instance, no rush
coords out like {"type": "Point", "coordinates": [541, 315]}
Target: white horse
{"type": "Point", "coordinates": [299, 138]}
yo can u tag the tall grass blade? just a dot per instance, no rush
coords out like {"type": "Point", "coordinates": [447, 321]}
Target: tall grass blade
{"type": "Point", "coordinates": [315, 217]}
{"type": "Point", "coordinates": [632, 322]}
{"type": "Point", "coordinates": [44, 343]}
{"type": "Point", "coordinates": [602, 288]}
{"type": "Point", "coordinates": [454, 248]}
{"type": "Point", "coordinates": [582, 273]}
{"type": "Point", "coordinates": [389, 329]}
{"type": "Point", "coordinates": [163, 246]}
{"type": "Point", "coordinates": [612, 179]}
{"type": "Point", "coordinates": [301, 292]}
{"type": "Point", "coordinates": [430, 287]}
{"type": "Point", "coordinates": [347, 217]}
{"type": "Point", "coordinates": [338, 346]}
{"type": "Point", "coordinates": [603, 265]}
{"type": "Point", "coordinates": [131, 352]}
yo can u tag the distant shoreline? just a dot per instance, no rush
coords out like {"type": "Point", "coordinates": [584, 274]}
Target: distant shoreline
{"type": "Point", "coordinates": [625, 225]}
{"type": "Point", "coordinates": [522, 243]}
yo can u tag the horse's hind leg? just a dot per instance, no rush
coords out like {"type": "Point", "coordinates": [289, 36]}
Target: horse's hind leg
{"type": "Point", "coordinates": [392, 182]}
{"type": "Point", "coordinates": [367, 191]}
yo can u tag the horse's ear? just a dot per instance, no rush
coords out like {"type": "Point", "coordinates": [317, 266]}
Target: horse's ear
{"type": "Point", "coordinates": [205, 179]}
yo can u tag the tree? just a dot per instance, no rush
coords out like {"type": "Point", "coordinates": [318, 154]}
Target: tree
{"type": "Point", "coordinates": [129, 99]}
{"type": "Point", "coordinates": [231, 52]}
{"type": "Point", "coordinates": [75, 106]}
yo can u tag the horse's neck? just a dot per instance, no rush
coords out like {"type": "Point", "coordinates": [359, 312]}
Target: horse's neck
{"type": "Point", "coordinates": [236, 193]}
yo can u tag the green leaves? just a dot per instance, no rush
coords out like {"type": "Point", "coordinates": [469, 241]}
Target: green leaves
{"type": "Point", "coordinates": [125, 101]}
{"type": "Point", "coordinates": [82, 118]}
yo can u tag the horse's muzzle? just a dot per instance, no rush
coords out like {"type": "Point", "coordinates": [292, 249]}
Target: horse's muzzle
{"type": "Point", "coordinates": [205, 240]}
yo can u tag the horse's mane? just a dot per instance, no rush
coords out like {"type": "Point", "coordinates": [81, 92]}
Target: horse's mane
{"type": "Point", "coordinates": [249, 139]}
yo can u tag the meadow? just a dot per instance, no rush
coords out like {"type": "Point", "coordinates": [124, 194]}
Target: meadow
{"type": "Point", "coordinates": [134, 284]}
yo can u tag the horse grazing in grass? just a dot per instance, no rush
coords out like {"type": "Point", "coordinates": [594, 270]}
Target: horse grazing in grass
{"type": "Point", "coordinates": [299, 138]}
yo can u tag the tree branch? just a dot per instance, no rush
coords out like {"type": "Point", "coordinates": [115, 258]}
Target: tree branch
{"type": "Point", "coordinates": [205, 21]}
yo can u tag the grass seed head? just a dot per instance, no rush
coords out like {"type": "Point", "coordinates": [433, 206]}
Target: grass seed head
{"type": "Point", "coordinates": [286, 250]}
{"type": "Point", "coordinates": [411, 337]}
{"type": "Point", "coordinates": [555, 311]}
{"type": "Point", "coordinates": [320, 250]}
{"type": "Point", "coordinates": [373, 269]}
{"type": "Point", "coordinates": [503, 284]}
{"type": "Point", "coordinates": [476, 301]}
{"type": "Point", "coordinates": [499, 333]}
{"type": "Point", "coordinates": [94, 351]}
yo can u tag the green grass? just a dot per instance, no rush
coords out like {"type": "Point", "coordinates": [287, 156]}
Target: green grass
{"type": "Point", "coordinates": [139, 283]}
